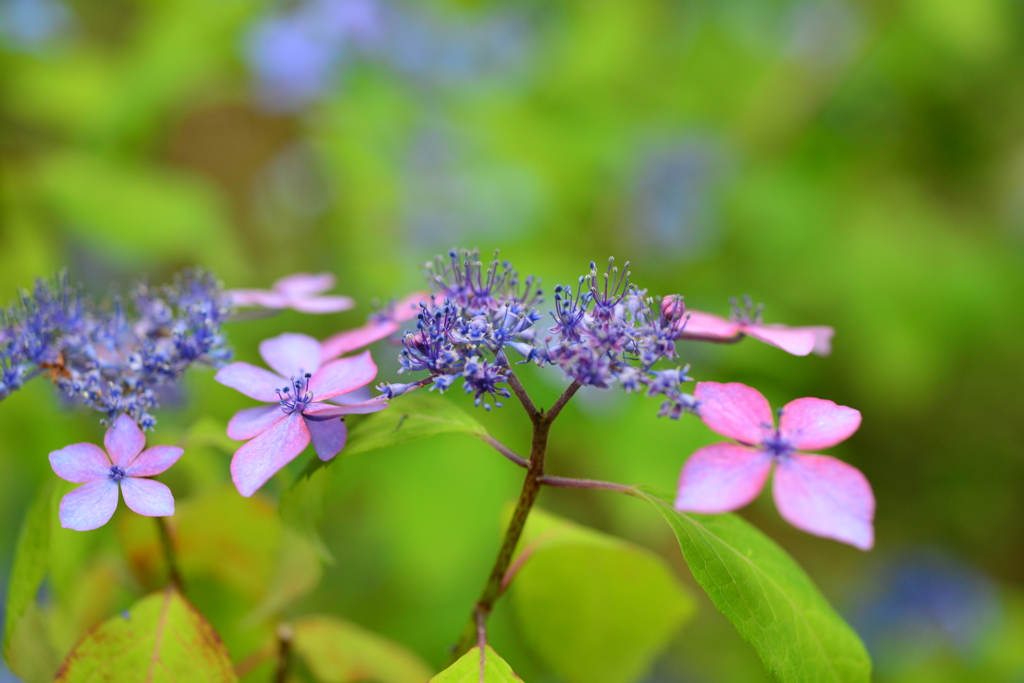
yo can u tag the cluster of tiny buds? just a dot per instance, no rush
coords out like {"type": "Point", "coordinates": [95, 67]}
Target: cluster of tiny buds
{"type": "Point", "coordinates": [606, 332]}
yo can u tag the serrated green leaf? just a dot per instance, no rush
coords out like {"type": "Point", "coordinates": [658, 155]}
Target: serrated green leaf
{"type": "Point", "coordinates": [161, 639]}
{"type": "Point", "coordinates": [412, 417]}
{"type": "Point", "coordinates": [768, 598]}
{"type": "Point", "coordinates": [338, 651]}
{"type": "Point", "coordinates": [467, 669]}
{"type": "Point", "coordinates": [596, 608]}
{"type": "Point", "coordinates": [26, 649]}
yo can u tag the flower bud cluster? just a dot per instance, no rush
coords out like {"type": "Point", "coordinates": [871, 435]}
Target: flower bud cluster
{"type": "Point", "coordinates": [606, 332]}
{"type": "Point", "coordinates": [116, 361]}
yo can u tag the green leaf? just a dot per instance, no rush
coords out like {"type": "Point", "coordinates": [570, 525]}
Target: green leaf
{"type": "Point", "coordinates": [338, 651]}
{"type": "Point", "coordinates": [26, 645]}
{"type": "Point", "coordinates": [768, 598]}
{"type": "Point", "coordinates": [595, 608]}
{"type": "Point", "coordinates": [408, 418]}
{"type": "Point", "coordinates": [161, 639]}
{"type": "Point", "coordinates": [467, 669]}
{"type": "Point", "coordinates": [412, 417]}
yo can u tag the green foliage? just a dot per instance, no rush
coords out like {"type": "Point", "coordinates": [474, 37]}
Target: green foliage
{"type": "Point", "coordinates": [414, 417]}
{"type": "Point", "coordinates": [161, 639]}
{"type": "Point", "coordinates": [768, 598]}
{"type": "Point", "coordinates": [26, 646]}
{"type": "Point", "coordinates": [596, 608]}
{"type": "Point", "coordinates": [338, 651]}
{"type": "Point", "coordinates": [467, 669]}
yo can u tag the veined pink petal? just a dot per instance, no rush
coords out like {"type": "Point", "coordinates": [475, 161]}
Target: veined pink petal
{"type": "Point", "coordinates": [80, 463]}
{"type": "Point", "coordinates": [90, 506]}
{"type": "Point", "coordinates": [290, 354]}
{"type": "Point", "coordinates": [822, 339]}
{"type": "Point", "coordinates": [328, 437]}
{"type": "Point", "coordinates": [798, 341]}
{"type": "Point", "coordinates": [147, 497]}
{"type": "Point", "coordinates": [408, 308]}
{"type": "Point", "coordinates": [304, 283]}
{"type": "Point", "coordinates": [722, 477]}
{"type": "Point", "coordinates": [322, 304]}
{"type": "Point", "coordinates": [257, 297]}
{"type": "Point", "coordinates": [252, 381]}
{"type": "Point", "coordinates": [351, 340]}
{"type": "Point", "coordinates": [734, 410]}
{"type": "Point", "coordinates": [809, 424]}
{"type": "Point", "coordinates": [342, 375]}
{"type": "Point", "coordinates": [826, 497]}
{"type": "Point", "coordinates": [252, 422]}
{"type": "Point", "coordinates": [322, 410]}
{"type": "Point", "coordinates": [153, 461]}
{"type": "Point", "coordinates": [701, 324]}
{"type": "Point", "coordinates": [124, 440]}
{"type": "Point", "coordinates": [260, 459]}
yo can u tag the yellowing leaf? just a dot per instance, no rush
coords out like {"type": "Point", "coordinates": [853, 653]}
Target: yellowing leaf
{"type": "Point", "coordinates": [338, 651]}
{"type": "Point", "coordinates": [161, 639]}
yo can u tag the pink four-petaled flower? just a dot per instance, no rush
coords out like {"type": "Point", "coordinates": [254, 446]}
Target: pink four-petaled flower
{"type": "Point", "coordinates": [381, 325]}
{"type": "Point", "coordinates": [815, 493]}
{"type": "Point", "coordinates": [798, 341]}
{"type": "Point", "coordinates": [277, 433]}
{"type": "Point", "coordinates": [123, 466]}
{"type": "Point", "coordinates": [301, 291]}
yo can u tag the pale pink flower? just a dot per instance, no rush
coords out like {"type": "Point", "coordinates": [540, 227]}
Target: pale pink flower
{"type": "Point", "coordinates": [277, 433]}
{"type": "Point", "coordinates": [124, 465]}
{"type": "Point", "coordinates": [798, 341]}
{"type": "Point", "coordinates": [382, 324]}
{"type": "Point", "coordinates": [815, 493]}
{"type": "Point", "coordinates": [301, 292]}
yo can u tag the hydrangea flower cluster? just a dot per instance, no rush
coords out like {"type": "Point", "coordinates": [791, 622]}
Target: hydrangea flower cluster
{"type": "Point", "coordinates": [115, 358]}
{"type": "Point", "coordinates": [605, 333]}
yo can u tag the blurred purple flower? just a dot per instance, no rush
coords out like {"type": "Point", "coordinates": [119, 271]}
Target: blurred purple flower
{"type": "Point", "coordinates": [383, 323]}
{"type": "Point", "coordinates": [277, 433]}
{"type": "Point", "coordinates": [125, 465]}
{"type": "Point", "coordinates": [29, 23]}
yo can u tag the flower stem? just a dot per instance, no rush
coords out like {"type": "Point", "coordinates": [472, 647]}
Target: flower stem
{"type": "Point", "coordinates": [284, 652]}
{"type": "Point", "coordinates": [531, 487]}
{"type": "Point", "coordinates": [174, 575]}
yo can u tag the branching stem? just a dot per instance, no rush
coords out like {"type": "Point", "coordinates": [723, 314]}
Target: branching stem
{"type": "Point", "coordinates": [174, 574]}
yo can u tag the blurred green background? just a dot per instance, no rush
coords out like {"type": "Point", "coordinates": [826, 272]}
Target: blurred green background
{"type": "Point", "coordinates": [852, 163]}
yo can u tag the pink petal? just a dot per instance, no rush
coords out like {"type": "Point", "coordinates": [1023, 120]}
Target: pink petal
{"type": "Point", "coordinates": [351, 340]}
{"type": "Point", "coordinates": [809, 424]}
{"type": "Point", "coordinates": [80, 462]}
{"type": "Point", "coordinates": [328, 437]}
{"type": "Point", "coordinates": [124, 440]}
{"type": "Point", "coordinates": [700, 324]}
{"type": "Point", "coordinates": [734, 410]}
{"type": "Point", "coordinates": [153, 461]}
{"type": "Point", "coordinates": [722, 477]}
{"type": "Point", "coordinates": [822, 339]}
{"type": "Point", "coordinates": [257, 297]}
{"type": "Point", "coordinates": [252, 381]}
{"type": "Point", "coordinates": [260, 459]}
{"type": "Point", "coordinates": [322, 410]}
{"type": "Point", "coordinates": [798, 341]}
{"type": "Point", "coordinates": [342, 376]}
{"type": "Point", "coordinates": [252, 422]}
{"type": "Point", "coordinates": [322, 304]}
{"type": "Point", "coordinates": [826, 497]}
{"type": "Point", "coordinates": [290, 355]}
{"type": "Point", "coordinates": [408, 308]}
{"type": "Point", "coordinates": [147, 497]}
{"type": "Point", "coordinates": [90, 506]}
{"type": "Point", "coordinates": [304, 284]}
